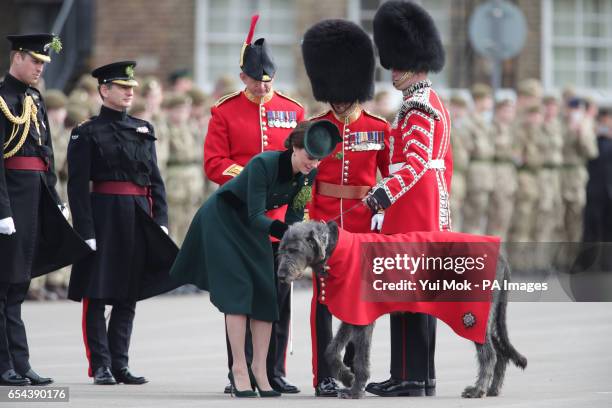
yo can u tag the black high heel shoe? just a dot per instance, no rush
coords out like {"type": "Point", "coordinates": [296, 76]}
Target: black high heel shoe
{"type": "Point", "coordinates": [262, 394]}
{"type": "Point", "coordinates": [240, 394]}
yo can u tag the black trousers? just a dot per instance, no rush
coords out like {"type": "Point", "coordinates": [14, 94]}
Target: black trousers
{"type": "Point", "coordinates": [413, 346]}
{"type": "Point", "coordinates": [14, 353]}
{"type": "Point", "coordinates": [322, 334]}
{"type": "Point", "coordinates": [279, 338]}
{"type": "Point", "coordinates": [107, 347]}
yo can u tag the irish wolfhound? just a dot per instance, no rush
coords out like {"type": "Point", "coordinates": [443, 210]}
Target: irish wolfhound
{"type": "Point", "coordinates": [310, 244]}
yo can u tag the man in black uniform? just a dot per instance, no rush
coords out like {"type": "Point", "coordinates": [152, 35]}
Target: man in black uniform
{"type": "Point", "coordinates": [123, 219]}
{"type": "Point", "coordinates": [35, 238]}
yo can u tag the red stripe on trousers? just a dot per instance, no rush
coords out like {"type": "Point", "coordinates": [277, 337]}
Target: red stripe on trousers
{"type": "Point", "coordinates": [84, 328]}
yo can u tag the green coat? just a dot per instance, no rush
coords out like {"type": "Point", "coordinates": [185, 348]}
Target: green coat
{"type": "Point", "coordinates": [227, 250]}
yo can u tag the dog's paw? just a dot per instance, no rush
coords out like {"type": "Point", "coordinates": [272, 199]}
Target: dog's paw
{"type": "Point", "coordinates": [346, 377]}
{"type": "Point", "coordinates": [492, 393]}
{"type": "Point", "coordinates": [472, 392]}
{"type": "Point", "coordinates": [346, 393]}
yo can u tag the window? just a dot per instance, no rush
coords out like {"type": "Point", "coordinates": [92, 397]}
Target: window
{"type": "Point", "coordinates": [222, 26]}
{"type": "Point", "coordinates": [363, 11]}
{"type": "Point", "coordinates": [577, 39]}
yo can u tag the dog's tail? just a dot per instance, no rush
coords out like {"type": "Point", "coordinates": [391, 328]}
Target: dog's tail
{"type": "Point", "coordinates": [503, 341]}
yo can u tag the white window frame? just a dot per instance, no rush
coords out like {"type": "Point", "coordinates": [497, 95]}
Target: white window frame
{"type": "Point", "coordinates": [204, 38]}
{"type": "Point", "coordinates": [579, 43]}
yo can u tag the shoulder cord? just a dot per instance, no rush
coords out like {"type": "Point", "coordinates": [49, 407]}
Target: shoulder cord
{"type": "Point", "coordinates": [27, 117]}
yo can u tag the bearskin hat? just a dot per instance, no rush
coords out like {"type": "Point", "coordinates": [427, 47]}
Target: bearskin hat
{"type": "Point", "coordinates": [407, 38]}
{"type": "Point", "coordinates": [340, 62]}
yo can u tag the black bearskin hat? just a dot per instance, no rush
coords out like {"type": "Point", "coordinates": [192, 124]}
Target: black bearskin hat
{"type": "Point", "coordinates": [407, 38]}
{"type": "Point", "coordinates": [339, 60]}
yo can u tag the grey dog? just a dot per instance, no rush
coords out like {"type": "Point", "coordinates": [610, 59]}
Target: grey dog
{"type": "Point", "coordinates": [308, 245]}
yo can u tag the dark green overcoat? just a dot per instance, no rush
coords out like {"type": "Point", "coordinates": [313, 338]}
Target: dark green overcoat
{"type": "Point", "coordinates": [227, 250]}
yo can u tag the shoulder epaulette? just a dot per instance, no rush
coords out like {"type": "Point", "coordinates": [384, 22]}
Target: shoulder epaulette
{"type": "Point", "coordinates": [86, 121]}
{"type": "Point", "coordinates": [375, 116]}
{"type": "Point", "coordinates": [227, 97]}
{"type": "Point", "coordinates": [420, 100]}
{"type": "Point", "coordinates": [290, 98]}
{"type": "Point", "coordinates": [318, 115]}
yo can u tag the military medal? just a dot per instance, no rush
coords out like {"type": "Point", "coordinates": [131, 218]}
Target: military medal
{"type": "Point", "coordinates": [271, 119]}
{"type": "Point", "coordinates": [293, 119]}
{"type": "Point", "coordinates": [277, 122]}
{"type": "Point", "coordinates": [283, 119]}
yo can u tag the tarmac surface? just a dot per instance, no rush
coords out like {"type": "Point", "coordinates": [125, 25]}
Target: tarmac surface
{"type": "Point", "coordinates": [178, 344]}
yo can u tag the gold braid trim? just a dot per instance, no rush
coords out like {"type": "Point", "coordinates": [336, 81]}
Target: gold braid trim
{"type": "Point", "coordinates": [27, 117]}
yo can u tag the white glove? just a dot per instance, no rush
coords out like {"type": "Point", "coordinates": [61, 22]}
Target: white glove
{"type": "Point", "coordinates": [92, 244]}
{"type": "Point", "coordinates": [65, 211]}
{"type": "Point", "coordinates": [165, 229]}
{"type": "Point", "coordinates": [377, 221]}
{"type": "Point", "coordinates": [7, 226]}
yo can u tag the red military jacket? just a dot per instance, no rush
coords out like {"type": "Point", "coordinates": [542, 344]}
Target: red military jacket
{"type": "Point", "coordinates": [365, 148]}
{"type": "Point", "coordinates": [242, 126]}
{"type": "Point", "coordinates": [421, 165]}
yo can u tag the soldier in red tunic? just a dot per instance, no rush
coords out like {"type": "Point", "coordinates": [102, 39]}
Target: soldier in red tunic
{"type": "Point", "coordinates": [339, 59]}
{"type": "Point", "coordinates": [416, 194]}
{"type": "Point", "coordinates": [242, 125]}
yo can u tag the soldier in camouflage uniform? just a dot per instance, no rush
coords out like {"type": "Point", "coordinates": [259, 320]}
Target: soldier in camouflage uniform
{"type": "Point", "coordinates": [528, 137]}
{"type": "Point", "coordinates": [529, 93]}
{"type": "Point", "coordinates": [549, 175]}
{"type": "Point", "coordinates": [85, 94]}
{"type": "Point", "coordinates": [151, 93]}
{"type": "Point", "coordinates": [501, 204]}
{"type": "Point", "coordinates": [460, 129]}
{"type": "Point", "coordinates": [198, 121]}
{"type": "Point", "coordinates": [480, 179]}
{"type": "Point", "coordinates": [579, 146]}
{"type": "Point", "coordinates": [184, 180]}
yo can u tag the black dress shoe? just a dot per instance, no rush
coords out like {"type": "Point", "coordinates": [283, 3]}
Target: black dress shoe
{"type": "Point", "coordinates": [36, 379]}
{"type": "Point", "coordinates": [10, 377]}
{"type": "Point", "coordinates": [281, 384]}
{"type": "Point", "coordinates": [123, 375]}
{"type": "Point", "coordinates": [374, 387]}
{"type": "Point", "coordinates": [327, 388]}
{"type": "Point", "coordinates": [103, 376]}
{"type": "Point", "coordinates": [396, 388]}
{"type": "Point", "coordinates": [430, 387]}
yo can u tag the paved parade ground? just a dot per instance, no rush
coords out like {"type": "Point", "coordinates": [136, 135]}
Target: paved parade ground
{"type": "Point", "coordinates": [178, 344]}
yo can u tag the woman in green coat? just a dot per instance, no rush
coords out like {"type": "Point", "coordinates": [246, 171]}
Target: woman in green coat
{"type": "Point", "coordinates": [227, 250]}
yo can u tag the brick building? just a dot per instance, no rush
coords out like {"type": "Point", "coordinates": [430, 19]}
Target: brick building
{"type": "Point", "coordinates": [569, 41]}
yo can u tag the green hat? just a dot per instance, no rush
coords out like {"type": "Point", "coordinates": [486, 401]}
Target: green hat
{"type": "Point", "coordinates": [37, 45]}
{"type": "Point", "coordinates": [321, 139]}
{"type": "Point", "coordinates": [120, 73]}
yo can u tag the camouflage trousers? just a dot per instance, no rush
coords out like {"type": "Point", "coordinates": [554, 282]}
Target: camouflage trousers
{"type": "Point", "coordinates": [480, 183]}
{"type": "Point", "coordinates": [501, 204]}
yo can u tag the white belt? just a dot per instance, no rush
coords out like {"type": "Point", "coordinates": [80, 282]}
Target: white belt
{"type": "Point", "coordinates": [437, 164]}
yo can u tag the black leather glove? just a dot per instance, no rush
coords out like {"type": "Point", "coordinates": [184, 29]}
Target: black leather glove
{"type": "Point", "coordinates": [278, 229]}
